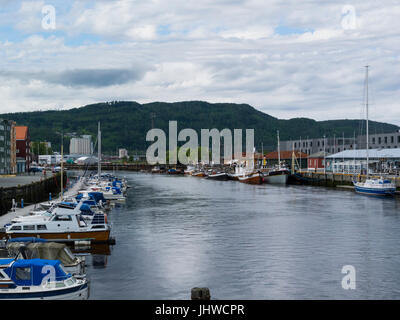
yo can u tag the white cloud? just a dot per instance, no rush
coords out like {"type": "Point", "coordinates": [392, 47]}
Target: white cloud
{"type": "Point", "coordinates": [206, 50]}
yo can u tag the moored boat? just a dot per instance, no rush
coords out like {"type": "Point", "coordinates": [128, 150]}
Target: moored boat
{"type": "Point", "coordinates": [38, 279]}
{"type": "Point", "coordinates": [255, 178]}
{"type": "Point", "coordinates": [378, 187]}
{"type": "Point", "coordinates": [279, 176]}
{"type": "Point", "coordinates": [63, 224]}
{"type": "Point", "coordinates": [198, 174]}
{"type": "Point", "coordinates": [220, 176]}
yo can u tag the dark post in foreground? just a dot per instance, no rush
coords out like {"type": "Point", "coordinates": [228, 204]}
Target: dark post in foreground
{"type": "Point", "coordinates": [201, 294]}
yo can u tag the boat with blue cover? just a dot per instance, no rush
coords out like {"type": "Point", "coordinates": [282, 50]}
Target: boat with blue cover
{"type": "Point", "coordinates": [38, 279]}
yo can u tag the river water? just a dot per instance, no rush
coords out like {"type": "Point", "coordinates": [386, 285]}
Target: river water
{"type": "Point", "coordinates": [247, 242]}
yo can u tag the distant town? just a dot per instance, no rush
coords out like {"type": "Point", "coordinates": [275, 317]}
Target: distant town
{"type": "Point", "coordinates": [337, 154]}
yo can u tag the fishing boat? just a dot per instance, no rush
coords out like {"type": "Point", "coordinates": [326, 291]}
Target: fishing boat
{"type": "Point", "coordinates": [241, 171]}
{"type": "Point", "coordinates": [254, 178]}
{"type": "Point", "coordinates": [39, 279]}
{"type": "Point", "coordinates": [279, 175]}
{"type": "Point", "coordinates": [156, 169]}
{"type": "Point", "coordinates": [198, 174]}
{"type": "Point", "coordinates": [220, 176]}
{"type": "Point", "coordinates": [174, 171]}
{"type": "Point", "coordinates": [377, 187]}
{"type": "Point", "coordinates": [63, 224]}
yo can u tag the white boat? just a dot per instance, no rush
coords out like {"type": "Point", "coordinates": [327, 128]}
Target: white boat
{"type": "Point", "coordinates": [38, 279]}
{"type": "Point", "coordinates": [377, 187]}
{"type": "Point", "coordinates": [63, 224]}
{"type": "Point", "coordinates": [279, 175]}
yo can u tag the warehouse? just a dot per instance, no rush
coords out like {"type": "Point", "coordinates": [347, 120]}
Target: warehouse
{"type": "Point", "coordinates": [355, 161]}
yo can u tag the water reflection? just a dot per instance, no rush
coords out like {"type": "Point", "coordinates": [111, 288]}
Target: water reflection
{"type": "Point", "coordinates": [246, 242]}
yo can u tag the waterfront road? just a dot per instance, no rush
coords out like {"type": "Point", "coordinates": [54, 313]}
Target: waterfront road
{"type": "Point", "coordinates": [13, 181]}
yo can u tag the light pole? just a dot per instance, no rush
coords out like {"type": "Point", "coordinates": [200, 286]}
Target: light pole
{"type": "Point", "coordinates": [62, 163]}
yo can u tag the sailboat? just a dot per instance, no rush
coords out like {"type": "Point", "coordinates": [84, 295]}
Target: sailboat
{"type": "Point", "coordinates": [280, 174]}
{"type": "Point", "coordinates": [378, 187]}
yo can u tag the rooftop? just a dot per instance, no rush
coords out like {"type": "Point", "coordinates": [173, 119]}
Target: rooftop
{"type": "Point", "coordinates": [362, 153]}
{"type": "Point", "coordinates": [21, 132]}
{"type": "Point", "coordinates": [286, 155]}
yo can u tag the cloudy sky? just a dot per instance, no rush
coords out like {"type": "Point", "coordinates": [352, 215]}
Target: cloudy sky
{"type": "Point", "coordinates": [286, 58]}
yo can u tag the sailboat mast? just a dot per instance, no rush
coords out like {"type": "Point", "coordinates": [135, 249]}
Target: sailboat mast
{"type": "Point", "coordinates": [367, 128]}
{"type": "Point", "coordinates": [99, 151]}
{"type": "Point", "coordinates": [279, 152]}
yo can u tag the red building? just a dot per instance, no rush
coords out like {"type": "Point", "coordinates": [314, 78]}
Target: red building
{"type": "Point", "coordinates": [23, 144]}
{"type": "Point", "coordinates": [316, 161]}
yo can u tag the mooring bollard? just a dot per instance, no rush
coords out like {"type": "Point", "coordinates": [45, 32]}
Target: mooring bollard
{"type": "Point", "coordinates": [201, 294]}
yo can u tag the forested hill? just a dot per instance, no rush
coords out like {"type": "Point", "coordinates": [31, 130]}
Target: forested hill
{"type": "Point", "coordinates": [125, 124]}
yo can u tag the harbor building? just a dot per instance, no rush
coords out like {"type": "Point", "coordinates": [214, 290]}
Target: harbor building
{"type": "Point", "coordinates": [81, 146]}
{"type": "Point", "coordinates": [5, 146]}
{"type": "Point", "coordinates": [355, 161]}
{"type": "Point", "coordinates": [338, 143]}
{"type": "Point", "coordinates": [327, 144]}
{"type": "Point", "coordinates": [315, 161]}
{"type": "Point", "coordinates": [13, 147]}
{"type": "Point", "coordinates": [23, 148]}
{"type": "Point", "coordinates": [380, 140]}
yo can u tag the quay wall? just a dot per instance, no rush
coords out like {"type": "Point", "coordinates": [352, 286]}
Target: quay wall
{"type": "Point", "coordinates": [336, 179]}
{"type": "Point", "coordinates": [32, 193]}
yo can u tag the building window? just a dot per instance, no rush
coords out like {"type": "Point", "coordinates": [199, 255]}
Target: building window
{"type": "Point", "coordinates": [385, 139]}
{"type": "Point", "coordinates": [391, 139]}
{"type": "Point", "coordinates": [379, 140]}
{"type": "Point", "coordinates": [373, 140]}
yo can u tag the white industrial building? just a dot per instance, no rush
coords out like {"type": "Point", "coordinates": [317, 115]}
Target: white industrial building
{"type": "Point", "coordinates": [82, 145]}
{"type": "Point", "coordinates": [355, 161]}
{"type": "Point", "coordinates": [123, 153]}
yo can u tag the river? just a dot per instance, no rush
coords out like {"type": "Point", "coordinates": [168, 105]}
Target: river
{"type": "Point", "coordinates": [247, 242]}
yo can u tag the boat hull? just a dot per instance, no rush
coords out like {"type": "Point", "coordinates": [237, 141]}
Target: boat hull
{"type": "Point", "coordinates": [219, 177]}
{"type": "Point", "coordinates": [375, 192]}
{"type": "Point", "coordinates": [80, 292]}
{"type": "Point", "coordinates": [98, 236]}
{"type": "Point", "coordinates": [276, 179]}
{"type": "Point", "coordinates": [253, 179]}
{"type": "Point", "coordinates": [199, 174]}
